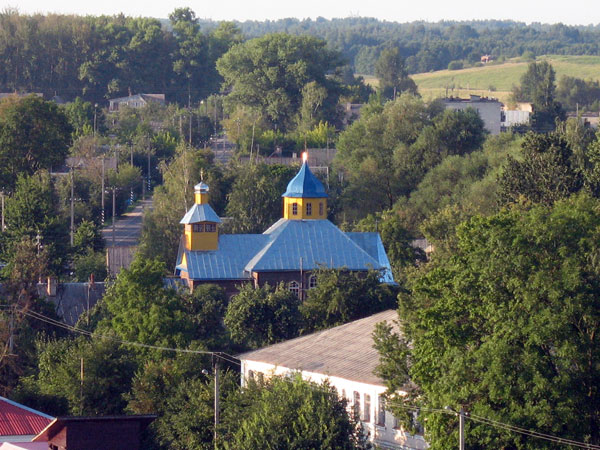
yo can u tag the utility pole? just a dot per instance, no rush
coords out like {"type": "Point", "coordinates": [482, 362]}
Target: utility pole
{"type": "Point", "coordinates": [461, 429]}
{"type": "Point", "coordinates": [148, 171]}
{"type": "Point", "coordinates": [2, 195]}
{"type": "Point", "coordinates": [72, 206]}
{"type": "Point", "coordinates": [217, 405]}
{"type": "Point", "coordinates": [95, 106]}
{"type": "Point", "coordinates": [113, 217]}
{"type": "Point", "coordinates": [103, 190]}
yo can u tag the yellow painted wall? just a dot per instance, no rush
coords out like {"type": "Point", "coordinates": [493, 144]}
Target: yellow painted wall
{"type": "Point", "coordinates": [289, 201]}
{"type": "Point", "coordinates": [201, 199]}
{"type": "Point", "coordinates": [201, 241]}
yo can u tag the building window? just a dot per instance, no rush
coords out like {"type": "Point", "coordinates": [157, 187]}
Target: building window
{"type": "Point", "coordinates": [356, 404]}
{"type": "Point", "coordinates": [251, 375]}
{"type": "Point", "coordinates": [294, 209]}
{"type": "Point", "coordinates": [198, 227]}
{"type": "Point", "coordinates": [367, 409]}
{"type": "Point", "coordinates": [381, 411]}
{"type": "Point", "coordinates": [309, 209]}
{"type": "Point", "coordinates": [312, 282]}
{"type": "Point", "coordinates": [294, 287]}
{"type": "Point", "coordinates": [396, 423]}
{"type": "Point", "coordinates": [210, 227]}
{"type": "Point", "coordinates": [321, 208]}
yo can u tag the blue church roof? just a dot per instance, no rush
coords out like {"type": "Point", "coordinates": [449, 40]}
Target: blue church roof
{"type": "Point", "coordinates": [200, 213]}
{"type": "Point", "coordinates": [288, 245]}
{"type": "Point", "coordinates": [305, 185]}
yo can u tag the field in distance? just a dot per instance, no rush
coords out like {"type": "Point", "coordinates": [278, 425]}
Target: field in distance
{"type": "Point", "coordinates": [497, 79]}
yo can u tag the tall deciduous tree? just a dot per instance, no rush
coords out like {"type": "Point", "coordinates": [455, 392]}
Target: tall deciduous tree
{"type": "Point", "coordinates": [506, 326]}
{"type": "Point", "coordinates": [261, 316]}
{"type": "Point", "coordinates": [34, 134]}
{"type": "Point", "coordinates": [291, 413]}
{"type": "Point", "coordinates": [270, 73]}
{"type": "Point", "coordinates": [546, 173]}
{"type": "Point", "coordinates": [392, 74]}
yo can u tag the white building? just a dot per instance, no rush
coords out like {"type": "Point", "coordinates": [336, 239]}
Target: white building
{"type": "Point", "coordinates": [345, 357]}
{"type": "Point", "coordinates": [489, 109]}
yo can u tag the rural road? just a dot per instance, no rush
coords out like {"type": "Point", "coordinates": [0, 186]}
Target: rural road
{"type": "Point", "coordinates": [127, 228]}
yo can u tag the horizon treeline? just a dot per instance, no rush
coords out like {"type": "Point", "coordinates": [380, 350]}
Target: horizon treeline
{"type": "Point", "coordinates": [101, 57]}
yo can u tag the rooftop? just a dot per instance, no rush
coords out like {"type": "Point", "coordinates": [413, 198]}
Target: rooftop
{"type": "Point", "coordinates": [345, 351]}
{"type": "Point", "coordinates": [305, 185]}
{"type": "Point", "coordinates": [19, 420]}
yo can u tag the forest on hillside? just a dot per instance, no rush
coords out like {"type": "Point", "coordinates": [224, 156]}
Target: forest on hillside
{"type": "Point", "coordinates": [109, 56]}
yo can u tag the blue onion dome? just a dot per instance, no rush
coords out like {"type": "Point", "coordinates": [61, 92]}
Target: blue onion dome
{"type": "Point", "coordinates": [305, 185]}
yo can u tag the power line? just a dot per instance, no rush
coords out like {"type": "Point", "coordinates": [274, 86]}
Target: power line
{"type": "Point", "coordinates": [37, 316]}
{"type": "Point", "coordinates": [504, 426]}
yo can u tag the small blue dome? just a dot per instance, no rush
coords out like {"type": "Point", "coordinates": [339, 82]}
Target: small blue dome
{"type": "Point", "coordinates": [305, 185]}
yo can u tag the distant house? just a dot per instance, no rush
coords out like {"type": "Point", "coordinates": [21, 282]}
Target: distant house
{"type": "Point", "coordinates": [135, 101]}
{"type": "Point", "coordinates": [489, 109]}
{"type": "Point", "coordinates": [19, 94]}
{"type": "Point", "coordinates": [345, 357]}
{"type": "Point", "coordinates": [18, 423]}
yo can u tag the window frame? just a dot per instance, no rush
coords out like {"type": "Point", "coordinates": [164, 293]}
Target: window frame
{"type": "Point", "coordinates": [210, 227]}
{"type": "Point", "coordinates": [309, 208]}
{"type": "Point", "coordinates": [366, 416]}
{"type": "Point", "coordinates": [198, 227]}
{"type": "Point", "coordinates": [321, 209]}
{"type": "Point", "coordinates": [294, 287]}
{"type": "Point", "coordinates": [312, 282]}
{"type": "Point", "coordinates": [294, 209]}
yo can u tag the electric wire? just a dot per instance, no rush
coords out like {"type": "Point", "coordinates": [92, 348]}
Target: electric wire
{"type": "Point", "coordinates": [222, 355]}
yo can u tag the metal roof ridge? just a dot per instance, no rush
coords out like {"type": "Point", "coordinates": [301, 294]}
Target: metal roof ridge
{"type": "Point", "coordinates": [26, 408]}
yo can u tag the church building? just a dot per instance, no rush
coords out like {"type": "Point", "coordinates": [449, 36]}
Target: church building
{"type": "Point", "coordinates": [290, 251]}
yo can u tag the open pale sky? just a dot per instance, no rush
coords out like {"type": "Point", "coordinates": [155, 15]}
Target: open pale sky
{"type": "Point", "coordinates": [582, 12]}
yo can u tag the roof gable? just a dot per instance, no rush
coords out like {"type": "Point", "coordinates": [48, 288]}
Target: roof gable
{"type": "Point", "coordinates": [228, 261]}
{"type": "Point", "coordinates": [19, 420]}
{"type": "Point", "coordinates": [345, 351]}
{"type": "Point", "coordinates": [308, 245]}
{"type": "Point", "coordinates": [200, 213]}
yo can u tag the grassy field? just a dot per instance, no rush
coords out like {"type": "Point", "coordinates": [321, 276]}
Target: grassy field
{"type": "Point", "coordinates": [497, 80]}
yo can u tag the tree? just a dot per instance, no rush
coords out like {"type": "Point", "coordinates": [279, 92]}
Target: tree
{"type": "Point", "coordinates": [392, 74]}
{"type": "Point", "coordinates": [270, 73]}
{"type": "Point", "coordinates": [34, 134]}
{"type": "Point", "coordinates": [539, 88]}
{"type": "Point", "coordinates": [32, 213]}
{"type": "Point", "coordinates": [546, 173]}
{"type": "Point", "coordinates": [342, 296]}
{"type": "Point", "coordinates": [141, 309]}
{"type": "Point", "coordinates": [262, 316]}
{"type": "Point", "coordinates": [108, 371]}
{"type": "Point", "coordinates": [255, 197]}
{"type": "Point", "coordinates": [291, 413]}
{"type": "Point", "coordinates": [18, 331]}
{"type": "Point", "coordinates": [505, 327]}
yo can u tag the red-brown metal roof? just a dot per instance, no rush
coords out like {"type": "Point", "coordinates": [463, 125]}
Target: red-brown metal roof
{"type": "Point", "coordinates": [19, 420]}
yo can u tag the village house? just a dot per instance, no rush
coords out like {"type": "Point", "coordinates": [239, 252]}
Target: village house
{"type": "Point", "coordinates": [135, 101]}
{"type": "Point", "coordinates": [489, 109]}
{"type": "Point", "coordinates": [290, 251]}
{"type": "Point", "coordinates": [344, 357]}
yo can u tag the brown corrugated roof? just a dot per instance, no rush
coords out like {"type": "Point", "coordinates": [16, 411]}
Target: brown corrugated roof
{"type": "Point", "coordinates": [345, 351]}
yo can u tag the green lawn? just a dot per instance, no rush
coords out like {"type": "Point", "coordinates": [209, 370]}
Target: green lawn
{"type": "Point", "coordinates": [497, 80]}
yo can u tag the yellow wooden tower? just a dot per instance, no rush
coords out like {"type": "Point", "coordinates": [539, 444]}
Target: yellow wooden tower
{"type": "Point", "coordinates": [305, 197]}
{"type": "Point", "coordinates": [201, 222]}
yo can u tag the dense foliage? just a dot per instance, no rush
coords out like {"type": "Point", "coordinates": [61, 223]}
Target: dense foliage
{"type": "Point", "coordinates": [505, 326]}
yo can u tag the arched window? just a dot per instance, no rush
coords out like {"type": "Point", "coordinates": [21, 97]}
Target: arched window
{"type": "Point", "coordinates": [312, 282]}
{"type": "Point", "coordinates": [294, 287]}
